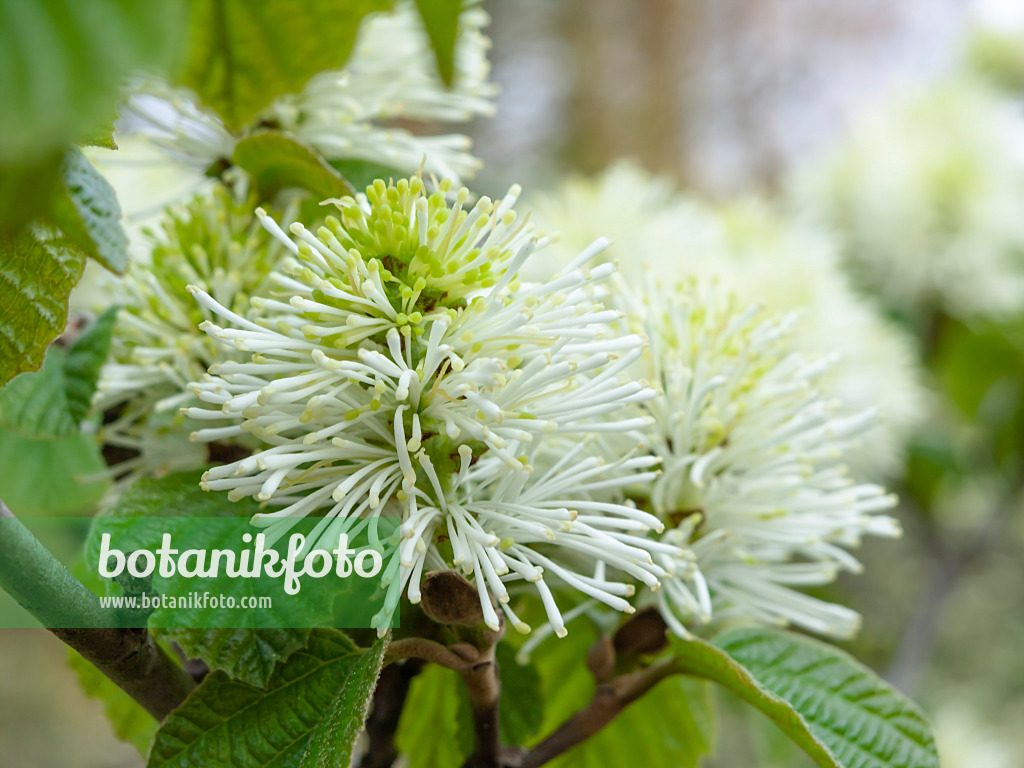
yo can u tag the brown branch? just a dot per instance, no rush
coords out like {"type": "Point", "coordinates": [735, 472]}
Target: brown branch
{"type": "Point", "coordinates": [609, 700]}
{"type": "Point", "coordinates": [484, 688]}
{"type": "Point", "coordinates": [47, 590]}
{"type": "Point", "coordinates": [426, 650]}
{"type": "Point", "coordinates": [388, 702]}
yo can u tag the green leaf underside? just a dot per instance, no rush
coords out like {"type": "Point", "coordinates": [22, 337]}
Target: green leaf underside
{"type": "Point", "coordinates": [226, 722]}
{"type": "Point", "coordinates": [427, 733]}
{"type": "Point", "coordinates": [336, 734]}
{"type": "Point", "coordinates": [52, 402]}
{"type": "Point", "coordinates": [130, 721]}
{"type": "Point", "coordinates": [277, 162]}
{"type": "Point", "coordinates": [834, 708]}
{"type": "Point", "coordinates": [88, 214]}
{"type": "Point", "coordinates": [441, 20]}
{"type": "Point", "coordinates": [35, 281]}
{"type": "Point", "coordinates": [243, 54]}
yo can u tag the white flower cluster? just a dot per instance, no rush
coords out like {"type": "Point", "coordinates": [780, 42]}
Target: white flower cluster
{"type": "Point", "coordinates": [772, 370]}
{"type": "Point", "coordinates": [926, 199]}
{"type": "Point", "coordinates": [753, 484]}
{"type": "Point", "coordinates": [404, 372]}
{"type": "Point", "coordinates": [390, 75]}
{"type": "Point", "coordinates": [213, 241]}
{"type": "Point", "coordinates": [544, 424]}
{"type": "Point", "coordinates": [761, 258]}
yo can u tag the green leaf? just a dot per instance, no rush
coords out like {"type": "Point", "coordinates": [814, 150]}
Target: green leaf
{"type": "Point", "coordinates": [427, 731]}
{"type": "Point", "coordinates": [837, 710]}
{"type": "Point", "coordinates": [566, 682]}
{"type": "Point", "coordinates": [277, 162]}
{"type": "Point", "coordinates": [669, 727]}
{"type": "Point", "coordinates": [103, 137]}
{"type": "Point", "coordinates": [88, 214]}
{"type": "Point", "coordinates": [441, 19]}
{"type": "Point", "coordinates": [35, 280]}
{"type": "Point", "coordinates": [26, 190]}
{"type": "Point", "coordinates": [243, 55]}
{"type": "Point", "coordinates": [226, 722]}
{"type": "Point", "coordinates": [177, 494]}
{"type": "Point", "coordinates": [245, 654]}
{"type": "Point", "coordinates": [53, 401]}
{"type": "Point", "coordinates": [521, 710]}
{"type": "Point", "coordinates": [362, 173]}
{"type": "Point", "coordinates": [248, 654]}
{"type": "Point", "coordinates": [130, 721]}
{"type": "Point", "coordinates": [336, 734]}
{"type": "Point", "coordinates": [43, 477]}
{"type": "Point", "coordinates": [62, 63]}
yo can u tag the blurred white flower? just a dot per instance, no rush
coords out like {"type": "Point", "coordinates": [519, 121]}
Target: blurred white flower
{"type": "Point", "coordinates": [925, 198]}
{"type": "Point", "coordinates": [751, 447]}
{"type": "Point", "coordinates": [761, 258]}
{"type": "Point", "coordinates": [401, 370]}
{"type": "Point", "coordinates": [391, 75]}
{"type": "Point", "coordinates": [172, 120]}
{"type": "Point", "coordinates": [213, 241]}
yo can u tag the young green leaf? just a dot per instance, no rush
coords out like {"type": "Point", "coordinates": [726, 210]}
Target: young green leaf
{"type": "Point", "coordinates": [277, 162]}
{"type": "Point", "coordinates": [362, 173]}
{"type": "Point", "coordinates": [131, 722]}
{"type": "Point", "coordinates": [441, 19]}
{"type": "Point", "coordinates": [229, 723]}
{"type": "Point", "coordinates": [246, 654]}
{"type": "Point", "coordinates": [46, 477]}
{"type": "Point", "coordinates": [428, 730]}
{"type": "Point", "coordinates": [174, 495]}
{"type": "Point", "coordinates": [521, 709]}
{"type": "Point", "coordinates": [669, 727]}
{"type": "Point", "coordinates": [87, 212]}
{"type": "Point", "coordinates": [36, 277]}
{"type": "Point", "coordinates": [53, 401]}
{"type": "Point", "coordinates": [834, 708]}
{"type": "Point", "coordinates": [242, 55]}
{"type": "Point", "coordinates": [336, 734]}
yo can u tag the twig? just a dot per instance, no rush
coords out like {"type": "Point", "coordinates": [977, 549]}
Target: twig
{"type": "Point", "coordinates": [609, 700]}
{"type": "Point", "coordinates": [388, 702]}
{"type": "Point", "coordinates": [426, 650]}
{"type": "Point", "coordinates": [484, 688]}
{"type": "Point", "coordinates": [47, 590]}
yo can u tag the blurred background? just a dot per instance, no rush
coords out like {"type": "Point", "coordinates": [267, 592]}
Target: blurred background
{"type": "Point", "coordinates": [741, 98]}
